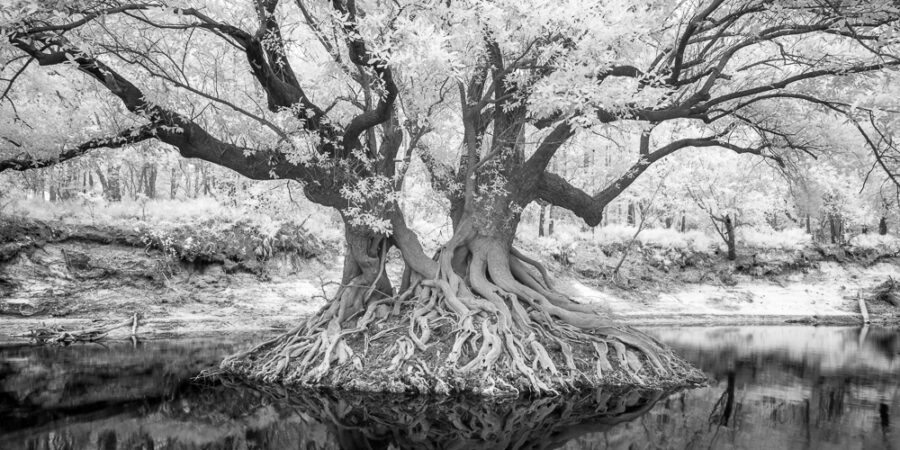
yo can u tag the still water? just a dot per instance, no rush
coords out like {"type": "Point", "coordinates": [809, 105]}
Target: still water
{"type": "Point", "coordinates": [771, 387]}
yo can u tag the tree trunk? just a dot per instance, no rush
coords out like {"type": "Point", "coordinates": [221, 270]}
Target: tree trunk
{"type": "Point", "coordinates": [836, 228]}
{"type": "Point", "coordinates": [882, 226]}
{"type": "Point", "coordinates": [113, 189]}
{"type": "Point", "coordinates": [683, 223]}
{"type": "Point", "coordinates": [730, 238]}
{"type": "Point", "coordinates": [365, 255]}
{"type": "Point", "coordinates": [207, 190]}
{"type": "Point", "coordinates": [102, 179]}
{"type": "Point", "coordinates": [150, 187]}
{"type": "Point", "coordinates": [141, 185]}
{"type": "Point", "coordinates": [185, 170]}
{"type": "Point", "coordinates": [808, 225]}
{"type": "Point", "coordinates": [550, 220]}
{"type": "Point", "coordinates": [541, 220]}
{"type": "Point", "coordinates": [131, 185]}
{"type": "Point", "coordinates": [173, 183]}
{"type": "Point", "coordinates": [631, 218]}
{"type": "Point", "coordinates": [198, 180]}
{"type": "Point", "coordinates": [65, 182]}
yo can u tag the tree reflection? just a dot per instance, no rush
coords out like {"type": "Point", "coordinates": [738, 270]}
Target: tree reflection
{"type": "Point", "coordinates": [361, 421]}
{"type": "Point", "coordinates": [724, 407]}
{"type": "Point", "coordinates": [237, 416]}
{"type": "Point", "coordinates": [800, 387]}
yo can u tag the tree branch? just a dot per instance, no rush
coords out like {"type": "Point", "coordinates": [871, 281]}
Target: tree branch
{"type": "Point", "coordinates": [25, 161]}
{"type": "Point", "coordinates": [270, 32]}
{"type": "Point", "coordinates": [191, 140]}
{"type": "Point", "coordinates": [556, 190]}
{"type": "Point", "coordinates": [364, 58]}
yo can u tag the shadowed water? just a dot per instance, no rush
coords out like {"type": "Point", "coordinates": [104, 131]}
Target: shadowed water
{"type": "Point", "coordinates": [772, 387]}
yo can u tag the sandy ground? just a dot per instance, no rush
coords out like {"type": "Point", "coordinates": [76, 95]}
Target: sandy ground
{"type": "Point", "coordinates": [202, 305]}
{"type": "Point", "coordinates": [828, 295]}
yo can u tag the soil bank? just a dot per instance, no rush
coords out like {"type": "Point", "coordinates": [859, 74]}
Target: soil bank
{"type": "Point", "coordinates": [75, 277]}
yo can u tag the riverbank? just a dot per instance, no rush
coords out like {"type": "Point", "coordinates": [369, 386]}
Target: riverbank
{"type": "Point", "coordinates": [56, 275]}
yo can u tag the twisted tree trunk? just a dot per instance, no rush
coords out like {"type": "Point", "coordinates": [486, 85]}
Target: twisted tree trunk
{"type": "Point", "coordinates": [480, 317]}
{"type": "Point", "coordinates": [364, 278]}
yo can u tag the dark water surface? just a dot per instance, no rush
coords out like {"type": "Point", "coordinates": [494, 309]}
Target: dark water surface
{"type": "Point", "coordinates": [773, 387]}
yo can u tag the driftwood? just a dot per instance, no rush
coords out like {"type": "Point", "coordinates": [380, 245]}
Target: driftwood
{"type": "Point", "coordinates": [59, 335]}
{"type": "Point", "coordinates": [889, 292]}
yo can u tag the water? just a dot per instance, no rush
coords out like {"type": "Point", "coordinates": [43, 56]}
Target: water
{"type": "Point", "coordinates": [772, 387]}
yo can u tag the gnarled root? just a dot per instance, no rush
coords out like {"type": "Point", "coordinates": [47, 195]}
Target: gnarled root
{"type": "Point", "coordinates": [498, 329]}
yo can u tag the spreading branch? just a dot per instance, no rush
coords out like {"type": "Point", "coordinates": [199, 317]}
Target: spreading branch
{"type": "Point", "coordinates": [25, 161]}
{"type": "Point", "coordinates": [556, 190]}
{"type": "Point", "coordinates": [170, 127]}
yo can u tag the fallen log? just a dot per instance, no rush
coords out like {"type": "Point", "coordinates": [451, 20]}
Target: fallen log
{"type": "Point", "coordinates": [59, 335]}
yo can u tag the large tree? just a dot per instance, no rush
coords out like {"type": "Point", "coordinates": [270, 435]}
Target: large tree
{"type": "Point", "coordinates": [350, 92]}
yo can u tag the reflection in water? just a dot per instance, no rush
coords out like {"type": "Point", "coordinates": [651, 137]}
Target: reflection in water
{"type": "Point", "coordinates": [787, 387]}
{"type": "Point", "coordinates": [772, 387]}
{"type": "Point", "coordinates": [366, 422]}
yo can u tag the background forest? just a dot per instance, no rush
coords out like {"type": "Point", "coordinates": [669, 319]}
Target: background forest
{"type": "Point", "coordinates": [839, 198]}
{"type": "Point", "coordinates": [811, 161]}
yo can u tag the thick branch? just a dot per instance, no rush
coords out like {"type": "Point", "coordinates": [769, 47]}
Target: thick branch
{"type": "Point", "coordinates": [270, 31]}
{"type": "Point", "coordinates": [25, 161]}
{"type": "Point", "coordinates": [267, 61]}
{"type": "Point", "coordinates": [683, 41]}
{"type": "Point", "coordinates": [172, 128]}
{"type": "Point", "coordinates": [537, 163]}
{"type": "Point", "coordinates": [364, 58]}
{"type": "Point", "coordinates": [625, 71]}
{"type": "Point", "coordinates": [556, 190]}
{"type": "Point", "coordinates": [441, 174]}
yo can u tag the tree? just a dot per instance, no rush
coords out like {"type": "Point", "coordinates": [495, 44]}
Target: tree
{"type": "Point", "coordinates": [729, 192]}
{"type": "Point", "coordinates": [675, 75]}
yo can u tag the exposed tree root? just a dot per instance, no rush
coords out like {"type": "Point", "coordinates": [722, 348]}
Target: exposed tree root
{"type": "Point", "coordinates": [499, 329]}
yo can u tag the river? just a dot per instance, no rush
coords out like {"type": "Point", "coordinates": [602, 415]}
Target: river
{"type": "Point", "coordinates": [770, 387]}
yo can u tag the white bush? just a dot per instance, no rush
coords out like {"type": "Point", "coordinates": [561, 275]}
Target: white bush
{"type": "Point", "coordinates": [791, 239]}
{"type": "Point", "coordinates": [871, 241]}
